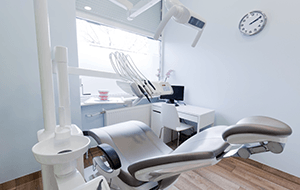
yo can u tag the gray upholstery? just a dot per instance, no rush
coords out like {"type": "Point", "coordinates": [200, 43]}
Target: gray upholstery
{"type": "Point", "coordinates": [144, 156]}
{"type": "Point", "coordinates": [259, 125]}
{"type": "Point", "coordinates": [205, 145]}
{"type": "Point", "coordinates": [135, 142]}
{"type": "Point", "coordinates": [209, 140]}
{"type": "Point", "coordinates": [132, 141]}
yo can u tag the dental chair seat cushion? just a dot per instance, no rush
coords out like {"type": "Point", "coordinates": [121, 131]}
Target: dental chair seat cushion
{"type": "Point", "coordinates": [209, 141]}
{"type": "Point", "coordinates": [133, 141]}
{"type": "Point", "coordinates": [259, 125]}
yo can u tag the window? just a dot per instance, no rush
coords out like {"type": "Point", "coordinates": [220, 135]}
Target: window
{"type": "Point", "coordinates": [97, 41]}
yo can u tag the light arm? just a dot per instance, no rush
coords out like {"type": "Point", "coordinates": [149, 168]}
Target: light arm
{"type": "Point", "coordinates": [140, 7]}
{"type": "Point", "coordinates": [182, 15]}
{"type": "Point", "coordinates": [125, 4]}
{"type": "Point", "coordinates": [134, 11]}
{"type": "Point", "coordinates": [173, 11]}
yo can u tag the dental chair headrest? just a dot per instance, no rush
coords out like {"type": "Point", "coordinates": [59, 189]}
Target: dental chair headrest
{"type": "Point", "coordinates": [257, 129]}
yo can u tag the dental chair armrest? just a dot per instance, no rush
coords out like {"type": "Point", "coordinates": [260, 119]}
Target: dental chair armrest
{"type": "Point", "coordinates": [103, 169]}
{"type": "Point", "coordinates": [109, 163]}
{"type": "Point", "coordinates": [110, 155]}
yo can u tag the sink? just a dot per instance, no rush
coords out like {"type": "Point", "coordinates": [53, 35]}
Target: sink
{"type": "Point", "coordinates": [55, 151]}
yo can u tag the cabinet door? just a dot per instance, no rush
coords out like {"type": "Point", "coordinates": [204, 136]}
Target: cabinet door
{"type": "Point", "coordinates": [155, 122]}
{"type": "Point", "coordinates": [156, 126]}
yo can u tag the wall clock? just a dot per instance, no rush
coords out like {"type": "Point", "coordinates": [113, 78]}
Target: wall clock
{"type": "Point", "coordinates": [252, 23]}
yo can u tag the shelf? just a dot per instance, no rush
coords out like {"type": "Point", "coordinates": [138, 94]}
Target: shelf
{"type": "Point", "coordinates": [95, 101]}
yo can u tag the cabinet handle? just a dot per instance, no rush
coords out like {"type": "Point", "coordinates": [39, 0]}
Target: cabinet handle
{"type": "Point", "coordinates": [95, 114]}
{"type": "Point", "coordinates": [156, 111]}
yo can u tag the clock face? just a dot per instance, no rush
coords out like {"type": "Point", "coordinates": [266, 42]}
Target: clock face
{"type": "Point", "coordinates": [252, 23]}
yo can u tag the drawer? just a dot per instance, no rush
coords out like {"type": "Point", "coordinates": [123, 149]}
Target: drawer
{"type": "Point", "coordinates": [188, 117]}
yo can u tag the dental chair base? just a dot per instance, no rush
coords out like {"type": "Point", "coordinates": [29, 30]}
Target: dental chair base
{"type": "Point", "coordinates": [147, 163]}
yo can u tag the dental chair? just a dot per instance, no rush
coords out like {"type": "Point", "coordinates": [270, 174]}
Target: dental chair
{"type": "Point", "coordinates": [134, 158]}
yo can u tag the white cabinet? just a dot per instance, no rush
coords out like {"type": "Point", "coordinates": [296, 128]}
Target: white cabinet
{"type": "Point", "coordinates": [202, 116]}
{"type": "Point", "coordinates": [156, 124]}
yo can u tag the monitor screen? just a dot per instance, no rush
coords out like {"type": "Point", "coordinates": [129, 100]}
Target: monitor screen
{"type": "Point", "coordinates": [177, 95]}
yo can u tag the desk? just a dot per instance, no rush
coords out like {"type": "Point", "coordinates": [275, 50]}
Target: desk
{"type": "Point", "coordinates": [202, 116]}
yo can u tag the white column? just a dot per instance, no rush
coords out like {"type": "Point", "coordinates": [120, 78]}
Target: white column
{"type": "Point", "coordinates": [46, 80]}
{"type": "Point", "coordinates": [61, 58]}
{"type": "Point", "coordinates": [45, 67]}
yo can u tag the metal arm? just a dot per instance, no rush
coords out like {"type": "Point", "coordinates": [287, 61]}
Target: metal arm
{"type": "Point", "coordinates": [136, 10]}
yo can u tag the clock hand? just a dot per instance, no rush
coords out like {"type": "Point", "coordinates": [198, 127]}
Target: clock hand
{"type": "Point", "coordinates": [255, 20]}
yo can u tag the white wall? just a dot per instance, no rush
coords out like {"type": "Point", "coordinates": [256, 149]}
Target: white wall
{"type": "Point", "coordinates": [241, 76]}
{"type": "Point", "coordinates": [20, 103]}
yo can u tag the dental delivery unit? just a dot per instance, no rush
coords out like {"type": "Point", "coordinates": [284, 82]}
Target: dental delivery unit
{"type": "Point", "coordinates": [134, 158]}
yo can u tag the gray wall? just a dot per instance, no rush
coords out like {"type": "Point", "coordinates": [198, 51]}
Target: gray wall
{"type": "Point", "coordinates": [240, 76]}
{"type": "Point", "coordinates": [20, 103]}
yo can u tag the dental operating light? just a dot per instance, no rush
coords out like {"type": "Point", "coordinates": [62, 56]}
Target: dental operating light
{"type": "Point", "coordinates": [182, 15]}
{"type": "Point", "coordinates": [176, 10]}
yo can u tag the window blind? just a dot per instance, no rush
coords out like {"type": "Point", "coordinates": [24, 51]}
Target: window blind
{"type": "Point", "coordinates": [105, 12]}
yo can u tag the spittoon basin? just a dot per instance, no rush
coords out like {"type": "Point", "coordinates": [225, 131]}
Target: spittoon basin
{"type": "Point", "coordinates": [54, 151]}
